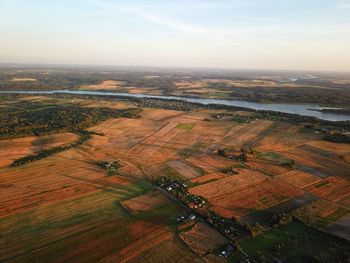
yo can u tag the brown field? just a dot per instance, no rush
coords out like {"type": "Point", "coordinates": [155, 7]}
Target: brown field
{"type": "Point", "coordinates": [213, 258]}
{"type": "Point", "coordinates": [228, 185]}
{"type": "Point", "coordinates": [210, 164]}
{"type": "Point", "coordinates": [201, 164]}
{"type": "Point", "coordinates": [317, 209]}
{"type": "Point", "coordinates": [208, 177]}
{"type": "Point", "coordinates": [345, 201]}
{"type": "Point", "coordinates": [119, 86]}
{"type": "Point", "coordinates": [23, 79]}
{"type": "Point", "coordinates": [144, 90]}
{"type": "Point", "coordinates": [333, 188]}
{"type": "Point", "coordinates": [285, 137]}
{"type": "Point", "coordinates": [186, 84]}
{"type": "Point", "coordinates": [202, 238]}
{"type": "Point", "coordinates": [338, 148]}
{"type": "Point", "coordinates": [98, 232]}
{"type": "Point", "coordinates": [145, 202]}
{"type": "Point", "coordinates": [65, 208]}
{"type": "Point", "coordinates": [35, 184]}
{"type": "Point", "coordinates": [70, 178]}
{"type": "Point", "coordinates": [217, 162]}
{"type": "Point", "coordinates": [13, 149]}
{"type": "Point", "coordinates": [340, 227]}
{"type": "Point", "coordinates": [204, 86]}
{"type": "Point", "coordinates": [55, 226]}
{"type": "Point", "coordinates": [183, 169]}
{"type": "Point", "coordinates": [253, 83]}
{"type": "Point", "coordinates": [327, 216]}
{"type": "Point", "coordinates": [110, 104]}
{"type": "Point", "coordinates": [121, 136]}
{"type": "Point", "coordinates": [266, 167]}
{"type": "Point", "coordinates": [256, 196]}
{"type": "Point", "coordinates": [34, 98]}
{"type": "Point", "coordinates": [164, 144]}
{"type": "Point", "coordinates": [72, 206]}
{"type": "Point", "coordinates": [110, 85]}
{"type": "Point", "coordinates": [158, 247]}
{"type": "Point", "coordinates": [242, 134]}
{"type": "Point", "coordinates": [140, 245]}
{"type": "Point", "coordinates": [299, 179]}
{"type": "Point", "coordinates": [317, 161]}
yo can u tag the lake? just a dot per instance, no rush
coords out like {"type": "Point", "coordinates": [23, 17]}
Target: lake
{"type": "Point", "coordinates": [294, 108]}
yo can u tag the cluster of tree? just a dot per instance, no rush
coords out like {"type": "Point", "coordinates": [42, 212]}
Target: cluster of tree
{"type": "Point", "coordinates": [167, 104]}
{"type": "Point", "coordinates": [38, 120]}
{"type": "Point", "coordinates": [290, 164]}
{"type": "Point", "coordinates": [179, 190]}
{"type": "Point", "coordinates": [337, 137]}
{"type": "Point", "coordinates": [192, 150]}
{"type": "Point", "coordinates": [47, 79]}
{"type": "Point", "coordinates": [233, 228]}
{"type": "Point", "coordinates": [83, 136]}
{"type": "Point", "coordinates": [227, 153]}
{"type": "Point", "coordinates": [234, 117]}
{"type": "Point", "coordinates": [140, 102]}
{"type": "Point", "coordinates": [165, 83]}
{"type": "Point", "coordinates": [302, 94]}
{"type": "Point", "coordinates": [223, 152]}
{"type": "Point", "coordinates": [229, 170]}
{"type": "Point", "coordinates": [278, 220]}
{"type": "Point", "coordinates": [313, 122]}
{"type": "Point", "coordinates": [110, 167]}
{"type": "Point", "coordinates": [74, 78]}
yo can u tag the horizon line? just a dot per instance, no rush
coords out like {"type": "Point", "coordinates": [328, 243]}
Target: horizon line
{"type": "Point", "coordinates": [57, 65]}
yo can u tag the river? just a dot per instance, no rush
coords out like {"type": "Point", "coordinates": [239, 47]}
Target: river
{"type": "Point", "coordinates": [294, 108]}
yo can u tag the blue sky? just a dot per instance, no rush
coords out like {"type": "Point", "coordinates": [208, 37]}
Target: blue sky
{"type": "Point", "coordinates": [263, 34]}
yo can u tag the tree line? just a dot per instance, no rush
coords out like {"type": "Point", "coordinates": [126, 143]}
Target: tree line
{"type": "Point", "coordinates": [40, 120]}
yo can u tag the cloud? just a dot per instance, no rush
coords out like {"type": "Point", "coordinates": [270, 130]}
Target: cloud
{"type": "Point", "coordinates": [264, 32]}
{"type": "Point", "coordinates": [346, 5]}
{"type": "Point", "coordinates": [232, 36]}
{"type": "Point", "coordinates": [140, 11]}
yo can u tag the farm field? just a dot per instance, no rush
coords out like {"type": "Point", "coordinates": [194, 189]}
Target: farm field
{"type": "Point", "coordinates": [293, 242]}
{"type": "Point", "coordinates": [145, 202]}
{"type": "Point", "coordinates": [183, 169]}
{"type": "Point", "coordinates": [332, 188]}
{"type": "Point", "coordinates": [253, 197]}
{"type": "Point", "coordinates": [110, 85]}
{"type": "Point", "coordinates": [67, 206]}
{"type": "Point", "coordinates": [299, 179]}
{"type": "Point", "coordinates": [202, 239]}
{"type": "Point", "coordinates": [14, 149]}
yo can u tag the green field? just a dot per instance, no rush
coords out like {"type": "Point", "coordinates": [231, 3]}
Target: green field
{"type": "Point", "coordinates": [272, 157]}
{"type": "Point", "coordinates": [296, 242]}
{"type": "Point", "coordinates": [95, 220]}
{"type": "Point", "coordinates": [185, 126]}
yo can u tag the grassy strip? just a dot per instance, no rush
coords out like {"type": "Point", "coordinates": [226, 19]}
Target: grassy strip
{"type": "Point", "coordinates": [83, 137]}
{"type": "Point", "coordinates": [185, 126]}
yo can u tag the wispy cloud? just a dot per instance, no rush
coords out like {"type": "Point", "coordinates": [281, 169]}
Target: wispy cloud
{"type": "Point", "coordinates": [155, 18]}
{"type": "Point", "coordinates": [264, 32]}
{"type": "Point", "coordinates": [228, 36]}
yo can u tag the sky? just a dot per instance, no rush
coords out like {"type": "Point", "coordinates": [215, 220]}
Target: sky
{"type": "Point", "coordinates": [242, 34]}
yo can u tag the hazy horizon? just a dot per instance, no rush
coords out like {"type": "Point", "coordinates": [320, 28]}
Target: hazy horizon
{"type": "Point", "coordinates": [224, 34]}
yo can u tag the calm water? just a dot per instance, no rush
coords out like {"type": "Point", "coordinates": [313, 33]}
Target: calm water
{"type": "Point", "coordinates": [301, 109]}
